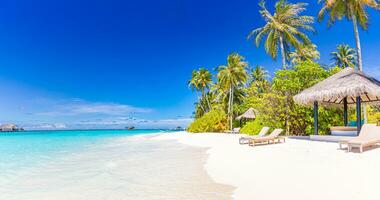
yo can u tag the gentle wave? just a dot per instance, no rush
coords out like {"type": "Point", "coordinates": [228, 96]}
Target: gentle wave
{"type": "Point", "coordinates": [104, 166]}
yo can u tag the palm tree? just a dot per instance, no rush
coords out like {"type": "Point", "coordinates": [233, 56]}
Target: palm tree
{"type": "Point", "coordinates": [259, 74]}
{"type": "Point", "coordinates": [345, 56]}
{"type": "Point", "coordinates": [203, 103]}
{"type": "Point", "coordinates": [205, 81]}
{"type": "Point", "coordinates": [306, 53]}
{"type": "Point", "coordinates": [354, 10]}
{"type": "Point", "coordinates": [230, 77]}
{"type": "Point", "coordinates": [283, 29]}
{"type": "Point", "coordinates": [201, 80]}
{"type": "Point", "coordinates": [259, 79]}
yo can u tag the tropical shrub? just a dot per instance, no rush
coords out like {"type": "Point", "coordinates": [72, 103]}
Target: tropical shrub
{"type": "Point", "coordinates": [213, 121]}
{"type": "Point", "coordinates": [278, 105]}
{"type": "Point", "coordinates": [253, 127]}
{"type": "Point", "coordinates": [274, 104]}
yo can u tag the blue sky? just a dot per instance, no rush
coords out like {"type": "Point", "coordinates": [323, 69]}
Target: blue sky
{"type": "Point", "coordinates": [114, 63]}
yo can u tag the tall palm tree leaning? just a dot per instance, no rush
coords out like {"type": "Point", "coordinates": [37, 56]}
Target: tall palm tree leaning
{"type": "Point", "coordinates": [283, 29]}
{"type": "Point", "coordinates": [201, 80]}
{"type": "Point", "coordinates": [355, 11]}
{"type": "Point", "coordinates": [231, 76]}
{"type": "Point", "coordinates": [345, 56]}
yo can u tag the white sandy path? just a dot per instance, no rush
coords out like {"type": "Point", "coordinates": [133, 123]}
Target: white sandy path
{"type": "Point", "coordinates": [298, 169]}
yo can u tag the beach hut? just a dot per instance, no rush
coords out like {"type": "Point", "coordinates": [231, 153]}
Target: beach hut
{"type": "Point", "coordinates": [347, 87]}
{"type": "Point", "coordinates": [249, 114]}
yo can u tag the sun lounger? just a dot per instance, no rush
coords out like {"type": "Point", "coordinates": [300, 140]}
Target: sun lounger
{"type": "Point", "coordinates": [362, 143]}
{"type": "Point", "coordinates": [274, 137]}
{"type": "Point", "coordinates": [370, 139]}
{"type": "Point", "coordinates": [364, 132]}
{"type": "Point", "coordinates": [262, 133]}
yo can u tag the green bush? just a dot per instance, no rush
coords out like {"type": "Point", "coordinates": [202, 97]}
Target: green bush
{"type": "Point", "coordinates": [378, 116]}
{"type": "Point", "coordinates": [213, 121]}
{"type": "Point", "coordinates": [252, 127]}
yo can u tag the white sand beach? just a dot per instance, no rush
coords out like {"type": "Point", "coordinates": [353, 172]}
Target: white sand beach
{"type": "Point", "coordinates": [297, 169]}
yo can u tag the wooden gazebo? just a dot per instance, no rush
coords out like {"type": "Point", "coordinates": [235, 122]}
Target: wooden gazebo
{"type": "Point", "coordinates": [249, 114]}
{"type": "Point", "coordinates": [347, 87]}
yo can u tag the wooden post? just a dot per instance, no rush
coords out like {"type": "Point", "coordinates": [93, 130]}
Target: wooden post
{"type": "Point", "coordinates": [358, 114]}
{"type": "Point", "coordinates": [315, 117]}
{"type": "Point", "coordinates": [345, 112]}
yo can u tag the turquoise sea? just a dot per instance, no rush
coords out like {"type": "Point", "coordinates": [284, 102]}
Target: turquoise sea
{"type": "Point", "coordinates": [22, 149]}
{"type": "Point", "coordinates": [102, 164]}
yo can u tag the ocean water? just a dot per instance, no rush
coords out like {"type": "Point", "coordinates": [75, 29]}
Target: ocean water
{"type": "Point", "coordinates": [82, 165]}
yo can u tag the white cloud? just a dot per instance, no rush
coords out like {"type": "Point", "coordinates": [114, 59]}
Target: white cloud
{"type": "Point", "coordinates": [131, 121]}
{"type": "Point", "coordinates": [79, 107]}
{"type": "Point", "coordinates": [45, 126]}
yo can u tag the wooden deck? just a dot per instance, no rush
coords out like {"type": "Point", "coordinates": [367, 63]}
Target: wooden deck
{"type": "Point", "coordinates": [328, 138]}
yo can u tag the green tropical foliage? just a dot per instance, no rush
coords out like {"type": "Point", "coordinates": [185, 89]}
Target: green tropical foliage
{"type": "Point", "coordinates": [213, 121]}
{"type": "Point", "coordinates": [345, 56]}
{"type": "Point", "coordinates": [230, 77]}
{"type": "Point", "coordinates": [259, 81]}
{"type": "Point", "coordinates": [238, 87]}
{"type": "Point", "coordinates": [273, 104]}
{"type": "Point", "coordinates": [201, 81]}
{"type": "Point", "coordinates": [253, 127]}
{"type": "Point", "coordinates": [305, 53]}
{"type": "Point", "coordinates": [283, 29]}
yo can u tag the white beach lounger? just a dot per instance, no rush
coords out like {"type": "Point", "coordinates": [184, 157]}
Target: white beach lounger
{"type": "Point", "coordinates": [262, 133]}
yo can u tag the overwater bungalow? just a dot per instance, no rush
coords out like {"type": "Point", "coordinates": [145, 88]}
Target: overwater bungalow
{"type": "Point", "coordinates": [9, 128]}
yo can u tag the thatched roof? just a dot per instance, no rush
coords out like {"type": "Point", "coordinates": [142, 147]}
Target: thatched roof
{"type": "Point", "coordinates": [348, 83]}
{"type": "Point", "coordinates": [249, 114]}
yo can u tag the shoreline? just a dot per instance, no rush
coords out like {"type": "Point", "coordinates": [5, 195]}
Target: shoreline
{"type": "Point", "coordinates": [297, 169]}
{"type": "Point", "coordinates": [123, 167]}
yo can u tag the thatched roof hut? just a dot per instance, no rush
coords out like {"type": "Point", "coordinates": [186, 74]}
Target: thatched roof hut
{"type": "Point", "coordinates": [249, 114]}
{"type": "Point", "coordinates": [348, 83]}
{"type": "Point", "coordinates": [348, 86]}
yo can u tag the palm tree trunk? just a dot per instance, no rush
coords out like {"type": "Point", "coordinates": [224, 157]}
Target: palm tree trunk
{"type": "Point", "coordinates": [287, 128]}
{"type": "Point", "coordinates": [232, 107]}
{"type": "Point", "coordinates": [358, 46]}
{"type": "Point", "coordinates": [200, 104]}
{"type": "Point", "coordinates": [283, 52]}
{"type": "Point", "coordinates": [207, 100]}
{"type": "Point", "coordinates": [359, 54]}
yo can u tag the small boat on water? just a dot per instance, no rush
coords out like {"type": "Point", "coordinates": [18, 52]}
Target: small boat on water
{"type": "Point", "coordinates": [130, 128]}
